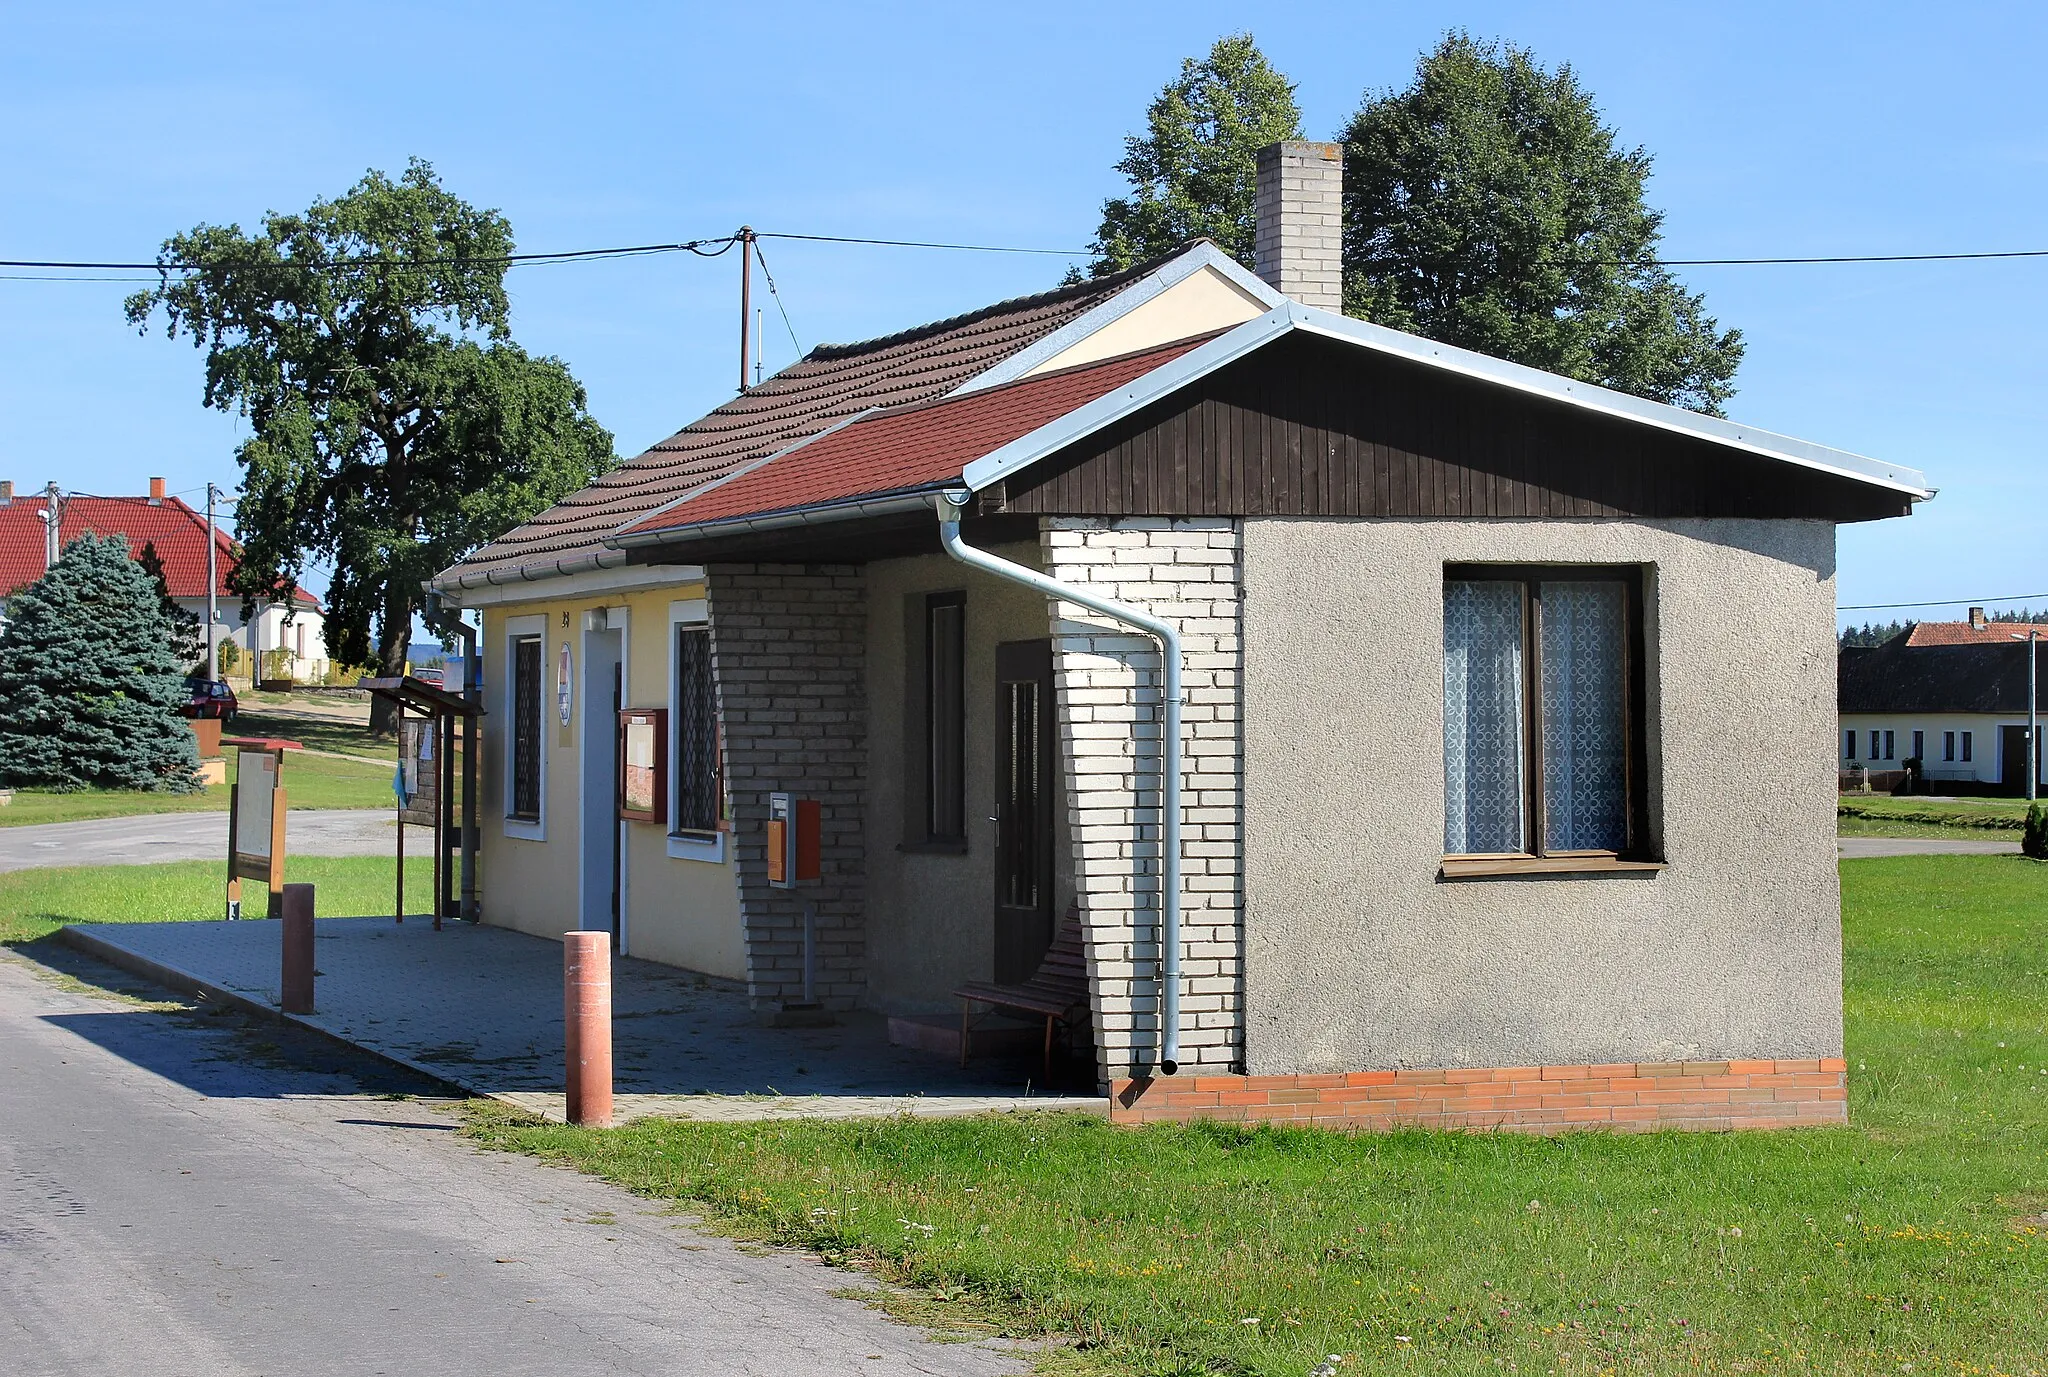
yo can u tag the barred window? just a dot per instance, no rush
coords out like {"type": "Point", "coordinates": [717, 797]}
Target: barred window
{"type": "Point", "coordinates": [699, 785]}
{"type": "Point", "coordinates": [945, 725]}
{"type": "Point", "coordinates": [526, 730]}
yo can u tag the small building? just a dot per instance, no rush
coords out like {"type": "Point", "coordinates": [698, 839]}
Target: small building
{"type": "Point", "coordinates": [1456, 650]}
{"type": "Point", "coordinates": [1952, 695]}
{"type": "Point", "coordinates": [178, 534]}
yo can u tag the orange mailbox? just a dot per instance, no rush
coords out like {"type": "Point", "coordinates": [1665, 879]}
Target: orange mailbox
{"type": "Point", "coordinates": [793, 842]}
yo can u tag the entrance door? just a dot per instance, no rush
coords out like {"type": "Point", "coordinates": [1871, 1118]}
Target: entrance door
{"type": "Point", "coordinates": [600, 893]}
{"type": "Point", "coordinates": [1025, 789]}
{"type": "Point", "coordinates": [2012, 759]}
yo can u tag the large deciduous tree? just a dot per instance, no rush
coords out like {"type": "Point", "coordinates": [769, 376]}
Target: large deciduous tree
{"type": "Point", "coordinates": [395, 424]}
{"type": "Point", "coordinates": [1488, 206]}
{"type": "Point", "coordinates": [1194, 171]}
{"type": "Point", "coordinates": [91, 683]}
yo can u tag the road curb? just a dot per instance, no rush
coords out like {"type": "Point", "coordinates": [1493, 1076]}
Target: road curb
{"type": "Point", "coordinates": [184, 982]}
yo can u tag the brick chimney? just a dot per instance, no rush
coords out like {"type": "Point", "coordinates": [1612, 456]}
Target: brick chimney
{"type": "Point", "coordinates": [1977, 622]}
{"type": "Point", "coordinates": [1300, 222]}
{"type": "Point", "coordinates": [6, 491]}
{"type": "Point", "coordinates": [156, 492]}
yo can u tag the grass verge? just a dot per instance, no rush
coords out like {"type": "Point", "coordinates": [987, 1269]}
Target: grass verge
{"type": "Point", "coordinates": [1914, 1241]}
{"type": "Point", "coordinates": [1879, 815]}
{"type": "Point", "coordinates": [311, 781]}
{"type": "Point", "coordinates": [35, 903]}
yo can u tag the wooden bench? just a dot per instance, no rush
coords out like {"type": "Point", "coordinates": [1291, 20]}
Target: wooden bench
{"type": "Point", "coordinates": [1055, 990]}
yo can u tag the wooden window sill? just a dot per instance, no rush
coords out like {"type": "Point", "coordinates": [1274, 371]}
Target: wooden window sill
{"type": "Point", "coordinates": [1477, 867]}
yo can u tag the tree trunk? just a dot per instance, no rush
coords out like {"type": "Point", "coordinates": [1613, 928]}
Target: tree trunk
{"type": "Point", "coordinates": [392, 647]}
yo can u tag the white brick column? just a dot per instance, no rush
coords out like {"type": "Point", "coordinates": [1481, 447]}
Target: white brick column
{"type": "Point", "coordinates": [1108, 683]}
{"type": "Point", "coordinates": [788, 656]}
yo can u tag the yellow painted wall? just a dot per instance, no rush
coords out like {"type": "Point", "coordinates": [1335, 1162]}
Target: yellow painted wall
{"type": "Point", "coordinates": [1205, 301]}
{"type": "Point", "coordinates": [684, 912]}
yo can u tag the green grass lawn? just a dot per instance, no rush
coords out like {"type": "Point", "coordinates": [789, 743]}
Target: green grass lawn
{"type": "Point", "coordinates": [316, 731]}
{"type": "Point", "coordinates": [310, 781]}
{"type": "Point", "coordinates": [35, 903]}
{"type": "Point", "coordinates": [1881, 815]}
{"type": "Point", "coordinates": [1913, 1241]}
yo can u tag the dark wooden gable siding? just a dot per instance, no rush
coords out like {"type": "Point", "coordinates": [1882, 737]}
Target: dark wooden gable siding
{"type": "Point", "coordinates": [1313, 427]}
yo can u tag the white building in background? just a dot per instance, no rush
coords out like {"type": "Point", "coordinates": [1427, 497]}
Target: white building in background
{"type": "Point", "coordinates": [1951, 694]}
{"type": "Point", "coordinates": [178, 535]}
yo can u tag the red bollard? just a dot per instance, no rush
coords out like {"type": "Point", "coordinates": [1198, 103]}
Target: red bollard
{"type": "Point", "coordinates": [297, 912]}
{"type": "Point", "coordinates": [587, 1026]}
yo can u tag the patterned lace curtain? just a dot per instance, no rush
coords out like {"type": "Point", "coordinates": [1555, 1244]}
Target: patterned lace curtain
{"type": "Point", "coordinates": [1585, 801]}
{"type": "Point", "coordinates": [1482, 717]}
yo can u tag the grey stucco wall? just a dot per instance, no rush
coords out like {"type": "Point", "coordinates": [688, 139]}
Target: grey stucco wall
{"type": "Point", "coordinates": [931, 916]}
{"type": "Point", "coordinates": [1359, 957]}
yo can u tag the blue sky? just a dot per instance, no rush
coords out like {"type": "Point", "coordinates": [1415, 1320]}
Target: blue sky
{"type": "Point", "coordinates": [1777, 130]}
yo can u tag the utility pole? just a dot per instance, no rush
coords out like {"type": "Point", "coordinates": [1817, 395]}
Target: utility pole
{"type": "Point", "coordinates": [746, 242]}
{"type": "Point", "coordinates": [53, 524]}
{"type": "Point", "coordinates": [2033, 640]}
{"type": "Point", "coordinates": [212, 582]}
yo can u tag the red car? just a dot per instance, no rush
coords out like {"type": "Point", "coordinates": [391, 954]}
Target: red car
{"type": "Point", "coordinates": [211, 698]}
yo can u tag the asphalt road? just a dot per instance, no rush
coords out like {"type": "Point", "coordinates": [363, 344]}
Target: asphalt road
{"type": "Point", "coordinates": [192, 1192]}
{"type": "Point", "coordinates": [154, 837]}
{"type": "Point", "coordinates": [1855, 848]}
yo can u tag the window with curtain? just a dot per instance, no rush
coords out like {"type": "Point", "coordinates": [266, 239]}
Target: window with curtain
{"type": "Point", "coordinates": [699, 782]}
{"type": "Point", "coordinates": [1543, 750]}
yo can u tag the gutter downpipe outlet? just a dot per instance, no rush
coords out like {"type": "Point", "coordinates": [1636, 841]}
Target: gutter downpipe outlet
{"type": "Point", "coordinates": [950, 506]}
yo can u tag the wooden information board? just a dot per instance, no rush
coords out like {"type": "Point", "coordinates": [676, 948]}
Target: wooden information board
{"type": "Point", "coordinates": [256, 812]}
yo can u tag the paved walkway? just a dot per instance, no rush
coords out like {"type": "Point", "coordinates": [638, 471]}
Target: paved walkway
{"type": "Point", "coordinates": [1856, 848]}
{"type": "Point", "coordinates": [190, 1194]}
{"type": "Point", "coordinates": [481, 1008]}
{"type": "Point", "coordinates": [154, 837]}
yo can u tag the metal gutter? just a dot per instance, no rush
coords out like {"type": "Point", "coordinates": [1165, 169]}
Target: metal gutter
{"type": "Point", "coordinates": [886, 504]}
{"type": "Point", "coordinates": [526, 573]}
{"type": "Point", "coordinates": [951, 504]}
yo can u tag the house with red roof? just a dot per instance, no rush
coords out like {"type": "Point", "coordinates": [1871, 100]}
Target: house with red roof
{"type": "Point", "coordinates": [1317, 722]}
{"type": "Point", "coordinates": [1952, 695]}
{"type": "Point", "coordinates": [179, 536]}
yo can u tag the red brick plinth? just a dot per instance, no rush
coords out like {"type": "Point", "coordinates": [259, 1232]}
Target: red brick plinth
{"type": "Point", "coordinates": [1706, 1095]}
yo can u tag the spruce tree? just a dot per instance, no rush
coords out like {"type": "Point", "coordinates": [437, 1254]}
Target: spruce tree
{"type": "Point", "coordinates": [187, 643]}
{"type": "Point", "coordinates": [91, 683]}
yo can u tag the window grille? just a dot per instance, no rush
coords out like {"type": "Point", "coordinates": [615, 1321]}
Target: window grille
{"type": "Point", "coordinates": [526, 731]}
{"type": "Point", "coordinates": [700, 783]}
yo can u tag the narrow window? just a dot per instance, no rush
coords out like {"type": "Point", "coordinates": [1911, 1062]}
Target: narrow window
{"type": "Point", "coordinates": [1920, 746]}
{"type": "Point", "coordinates": [1889, 738]}
{"type": "Point", "coordinates": [1543, 696]}
{"type": "Point", "coordinates": [1876, 744]}
{"type": "Point", "coordinates": [699, 781]}
{"type": "Point", "coordinates": [1948, 745]}
{"type": "Point", "coordinates": [526, 732]}
{"type": "Point", "coordinates": [1966, 745]}
{"type": "Point", "coordinates": [945, 717]}
{"type": "Point", "coordinates": [1849, 744]}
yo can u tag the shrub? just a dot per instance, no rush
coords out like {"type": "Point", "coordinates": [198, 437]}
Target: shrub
{"type": "Point", "coordinates": [2034, 840]}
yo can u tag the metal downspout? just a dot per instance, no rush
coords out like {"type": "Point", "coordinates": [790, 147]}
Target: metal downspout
{"type": "Point", "coordinates": [950, 505]}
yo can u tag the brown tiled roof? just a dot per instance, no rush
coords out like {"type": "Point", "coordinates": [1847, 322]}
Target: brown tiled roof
{"type": "Point", "coordinates": [1972, 676]}
{"type": "Point", "coordinates": [907, 448]}
{"type": "Point", "coordinates": [1962, 633]}
{"type": "Point", "coordinates": [828, 385]}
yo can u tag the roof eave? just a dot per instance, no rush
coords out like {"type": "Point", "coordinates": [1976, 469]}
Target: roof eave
{"type": "Point", "coordinates": [895, 503]}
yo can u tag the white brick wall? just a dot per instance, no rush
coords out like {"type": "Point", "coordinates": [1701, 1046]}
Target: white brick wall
{"type": "Point", "coordinates": [788, 654]}
{"type": "Point", "coordinates": [1108, 683]}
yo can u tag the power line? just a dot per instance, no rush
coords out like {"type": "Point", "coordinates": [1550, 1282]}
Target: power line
{"type": "Point", "coordinates": [923, 244]}
{"type": "Point", "coordinates": [1948, 602]}
{"type": "Point", "coordinates": [696, 246]}
{"type": "Point", "coordinates": [776, 292]}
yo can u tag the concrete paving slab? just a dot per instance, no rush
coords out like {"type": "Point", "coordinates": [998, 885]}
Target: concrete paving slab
{"type": "Point", "coordinates": [480, 1008]}
{"type": "Point", "coordinates": [1856, 848]}
{"type": "Point", "coordinates": [156, 837]}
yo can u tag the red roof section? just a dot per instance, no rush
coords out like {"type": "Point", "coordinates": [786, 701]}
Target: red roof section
{"type": "Point", "coordinates": [177, 531]}
{"type": "Point", "coordinates": [908, 447]}
{"type": "Point", "coordinates": [1962, 633]}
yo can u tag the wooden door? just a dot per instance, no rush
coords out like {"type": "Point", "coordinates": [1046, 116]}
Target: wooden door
{"type": "Point", "coordinates": [2012, 759]}
{"type": "Point", "coordinates": [1026, 784]}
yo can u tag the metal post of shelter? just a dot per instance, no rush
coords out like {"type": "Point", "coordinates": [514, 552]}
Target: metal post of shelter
{"type": "Point", "coordinates": [414, 701]}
